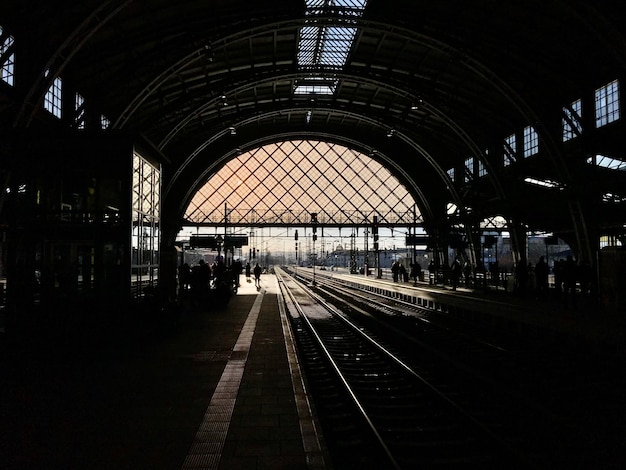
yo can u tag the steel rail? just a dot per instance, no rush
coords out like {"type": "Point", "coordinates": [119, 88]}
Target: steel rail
{"type": "Point", "coordinates": [289, 294]}
{"type": "Point", "coordinates": [480, 426]}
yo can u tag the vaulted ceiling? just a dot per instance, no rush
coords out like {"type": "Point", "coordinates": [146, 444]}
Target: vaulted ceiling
{"type": "Point", "coordinates": [426, 84]}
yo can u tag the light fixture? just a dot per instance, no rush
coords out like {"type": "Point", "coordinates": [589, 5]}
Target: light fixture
{"type": "Point", "coordinates": [417, 104]}
{"type": "Point", "coordinates": [391, 132]}
{"type": "Point", "coordinates": [232, 130]}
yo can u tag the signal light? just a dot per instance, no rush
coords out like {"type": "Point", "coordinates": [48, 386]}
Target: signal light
{"type": "Point", "coordinates": [375, 228]}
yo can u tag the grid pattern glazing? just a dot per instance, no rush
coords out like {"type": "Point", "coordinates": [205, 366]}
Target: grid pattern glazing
{"type": "Point", "coordinates": [510, 149]}
{"type": "Point", "coordinates": [52, 100]}
{"type": "Point", "coordinates": [469, 169]}
{"type": "Point", "coordinates": [283, 183]}
{"type": "Point", "coordinates": [7, 64]}
{"type": "Point", "coordinates": [146, 208]}
{"type": "Point", "coordinates": [531, 141]}
{"type": "Point", "coordinates": [607, 104]}
{"type": "Point", "coordinates": [572, 120]}
{"type": "Point", "coordinates": [325, 46]}
{"type": "Point", "coordinates": [79, 111]}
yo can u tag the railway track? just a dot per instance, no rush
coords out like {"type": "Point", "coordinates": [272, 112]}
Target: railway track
{"type": "Point", "coordinates": [389, 402]}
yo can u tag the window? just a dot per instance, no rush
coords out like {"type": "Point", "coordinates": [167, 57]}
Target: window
{"type": "Point", "coordinates": [146, 212]}
{"type": "Point", "coordinates": [531, 141]}
{"type": "Point", "coordinates": [607, 104]}
{"type": "Point", "coordinates": [79, 111]}
{"type": "Point", "coordinates": [481, 168]}
{"type": "Point", "coordinates": [52, 100]}
{"type": "Point", "coordinates": [510, 149]}
{"type": "Point", "coordinates": [451, 174]}
{"type": "Point", "coordinates": [104, 122]}
{"type": "Point", "coordinates": [7, 64]}
{"type": "Point", "coordinates": [469, 169]}
{"type": "Point", "coordinates": [572, 120]}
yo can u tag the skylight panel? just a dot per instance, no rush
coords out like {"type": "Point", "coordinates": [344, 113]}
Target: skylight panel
{"type": "Point", "coordinates": [354, 7]}
{"type": "Point", "coordinates": [326, 46]}
{"type": "Point", "coordinates": [607, 162]}
{"type": "Point", "coordinates": [613, 198]}
{"type": "Point", "coordinates": [314, 90]}
{"type": "Point", "coordinates": [336, 46]}
{"type": "Point", "coordinates": [541, 182]}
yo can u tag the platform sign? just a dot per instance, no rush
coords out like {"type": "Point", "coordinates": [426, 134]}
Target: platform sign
{"type": "Point", "coordinates": [213, 241]}
{"type": "Point", "coordinates": [417, 240]}
{"type": "Point", "coordinates": [236, 241]}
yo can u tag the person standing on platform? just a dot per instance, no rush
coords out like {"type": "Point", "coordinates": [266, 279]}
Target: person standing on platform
{"type": "Point", "coordinates": [467, 273]}
{"type": "Point", "coordinates": [248, 272]}
{"type": "Point", "coordinates": [395, 271]}
{"type": "Point", "coordinates": [237, 270]}
{"type": "Point", "coordinates": [521, 277]}
{"type": "Point", "coordinates": [456, 271]}
{"type": "Point", "coordinates": [257, 276]}
{"type": "Point", "coordinates": [570, 279]}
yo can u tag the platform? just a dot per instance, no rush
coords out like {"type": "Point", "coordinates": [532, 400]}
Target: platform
{"type": "Point", "coordinates": [223, 391]}
{"type": "Point", "coordinates": [579, 321]}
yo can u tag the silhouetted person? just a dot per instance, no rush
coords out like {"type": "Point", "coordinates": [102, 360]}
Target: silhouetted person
{"type": "Point", "coordinates": [521, 275]}
{"type": "Point", "coordinates": [467, 273]}
{"type": "Point", "coordinates": [570, 277]}
{"type": "Point", "coordinates": [185, 276]}
{"type": "Point", "coordinates": [494, 270]}
{"type": "Point", "coordinates": [257, 276]}
{"type": "Point", "coordinates": [248, 271]}
{"type": "Point", "coordinates": [395, 271]}
{"type": "Point", "coordinates": [416, 270]}
{"type": "Point", "coordinates": [204, 275]}
{"type": "Point", "coordinates": [237, 270]}
{"type": "Point", "coordinates": [558, 276]}
{"type": "Point", "coordinates": [403, 274]}
{"type": "Point", "coordinates": [431, 273]}
{"type": "Point", "coordinates": [456, 271]}
{"type": "Point", "coordinates": [219, 271]}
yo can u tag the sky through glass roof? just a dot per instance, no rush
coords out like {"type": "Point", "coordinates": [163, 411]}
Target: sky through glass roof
{"type": "Point", "coordinates": [283, 183]}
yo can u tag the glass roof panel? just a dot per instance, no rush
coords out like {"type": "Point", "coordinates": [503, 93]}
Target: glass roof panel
{"type": "Point", "coordinates": [608, 162]}
{"type": "Point", "coordinates": [343, 186]}
{"type": "Point", "coordinates": [325, 46]}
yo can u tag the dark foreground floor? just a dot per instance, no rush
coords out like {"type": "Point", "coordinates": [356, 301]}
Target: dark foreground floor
{"type": "Point", "coordinates": [137, 398]}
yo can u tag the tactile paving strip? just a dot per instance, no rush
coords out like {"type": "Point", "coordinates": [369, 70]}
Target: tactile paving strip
{"type": "Point", "coordinates": [206, 450]}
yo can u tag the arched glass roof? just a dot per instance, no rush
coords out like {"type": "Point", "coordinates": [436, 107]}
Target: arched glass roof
{"type": "Point", "coordinates": [283, 183]}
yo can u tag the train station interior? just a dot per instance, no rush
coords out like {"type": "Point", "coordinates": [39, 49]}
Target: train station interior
{"type": "Point", "coordinates": [339, 137]}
